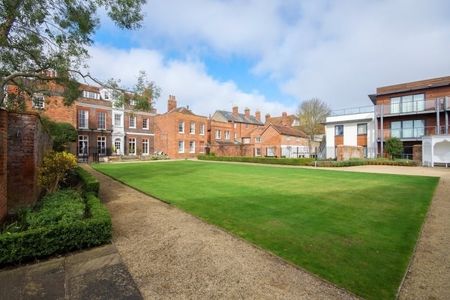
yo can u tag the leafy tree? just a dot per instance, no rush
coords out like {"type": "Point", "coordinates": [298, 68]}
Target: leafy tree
{"type": "Point", "coordinates": [394, 146]}
{"type": "Point", "coordinates": [312, 114]}
{"type": "Point", "coordinates": [61, 133]}
{"type": "Point", "coordinates": [45, 42]}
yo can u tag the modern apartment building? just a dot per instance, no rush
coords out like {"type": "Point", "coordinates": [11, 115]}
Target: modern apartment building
{"type": "Point", "coordinates": [179, 132]}
{"type": "Point", "coordinates": [354, 128]}
{"type": "Point", "coordinates": [410, 111]}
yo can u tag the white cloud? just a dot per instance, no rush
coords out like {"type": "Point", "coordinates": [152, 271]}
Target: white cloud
{"type": "Point", "coordinates": [339, 51]}
{"type": "Point", "coordinates": [187, 80]}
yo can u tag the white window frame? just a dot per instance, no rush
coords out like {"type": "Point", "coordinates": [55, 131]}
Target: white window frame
{"type": "Point", "coordinates": [227, 134]}
{"type": "Point", "coordinates": [38, 101]}
{"type": "Point", "coordinates": [192, 147]}
{"type": "Point", "coordinates": [181, 128]}
{"type": "Point", "coordinates": [91, 95]}
{"type": "Point", "coordinates": [192, 128]}
{"type": "Point", "coordinates": [84, 141]}
{"type": "Point", "coordinates": [131, 142]}
{"type": "Point", "coordinates": [258, 139]}
{"type": "Point", "coordinates": [101, 145]}
{"type": "Point", "coordinates": [145, 147]}
{"type": "Point", "coordinates": [145, 124]}
{"type": "Point", "coordinates": [202, 129]}
{"type": "Point", "coordinates": [101, 122]}
{"type": "Point", "coordinates": [83, 114]}
{"type": "Point", "coordinates": [118, 146]}
{"type": "Point", "coordinates": [180, 146]}
{"type": "Point", "coordinates": [118, 120]}
{"type": "Point", "coordinates": [218, 134]}
{"type": "Point", "coordinates": [134, 121]}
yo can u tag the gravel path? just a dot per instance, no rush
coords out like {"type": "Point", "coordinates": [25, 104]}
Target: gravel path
{"type": "Point", "coordinates": [171, 254]}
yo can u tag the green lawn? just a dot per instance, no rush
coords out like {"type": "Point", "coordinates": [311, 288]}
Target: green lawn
{"type": "Point", "coordinates": [356, 230]}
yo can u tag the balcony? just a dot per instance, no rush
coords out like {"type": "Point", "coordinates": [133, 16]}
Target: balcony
{"type": "Point", "coordinates": [412, 134]}
{"type": "Point", "coordinates": [413, 107]}
{"type": "Point", "coordinates": [352, 111]}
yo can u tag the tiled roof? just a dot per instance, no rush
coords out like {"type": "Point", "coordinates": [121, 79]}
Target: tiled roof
{"type": "Point", "coordinates": [279, 120]}
{"type": "Point", "coordinates": [182, 110]}
{"type": "Point", "coordinates": [240, 118]}
{"type": "Point", "coordinates": [284, 130]}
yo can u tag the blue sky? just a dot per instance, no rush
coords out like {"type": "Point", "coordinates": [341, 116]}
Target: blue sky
{"type": "Point", "coordinates": [270, 55]}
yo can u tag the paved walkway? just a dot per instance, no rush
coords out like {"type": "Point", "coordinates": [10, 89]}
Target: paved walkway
{"type": "Point", "coordinates": [93, 274]}
{"type": "Point", "coordinates": [171, 254]}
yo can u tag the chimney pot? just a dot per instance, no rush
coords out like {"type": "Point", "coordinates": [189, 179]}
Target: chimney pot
{"type": "Point", "coordinates": [235, 110]}
{"type": "Point", "coordinates": [247, 112]}
{"type": "Point", "coordinates": [267, 118]}
{"type": "Point", "coordinates": [171, 103]}
{"type": "Point", "coordinates": [258, 115]}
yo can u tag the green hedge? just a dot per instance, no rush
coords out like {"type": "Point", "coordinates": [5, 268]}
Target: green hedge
{"type": "Point", "coordinates": [362, 162]}
{"type": "Point", "coordinates": [33, 242]}
{"type": "Point", "coordinates": [90, 183]}
{"type": "Point", "coordinates": [310, 161]}
{"type": "Point", "coordinates": [260, 160]}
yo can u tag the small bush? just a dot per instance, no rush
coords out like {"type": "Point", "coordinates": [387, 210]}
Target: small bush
{"type": "Point", "coordinates": [394, 146]}
{"type": "Point", "coordinates": [54, 169]}
{"type": "Point", "coordinates": [90, 183]}
{"type": "Point", "coordinates": [260, 160]}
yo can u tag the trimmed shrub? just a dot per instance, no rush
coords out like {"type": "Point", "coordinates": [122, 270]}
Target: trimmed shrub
{"type": "Point", "coordinates": [260, 160]}
{"type": "Point", "coordinates": [55, 168]}
{"type": "Point", "coordinates": [361, 162]}
{"type": "Point", "coordinates": [59, 236]}
{"type": "Point", "coordinates": [90, 183]}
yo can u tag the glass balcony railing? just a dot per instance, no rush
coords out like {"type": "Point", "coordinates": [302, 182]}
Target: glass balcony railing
{"type": "Point", "coordinates": [352, 111]}
{"type": "Point", "coordinates": [412, 133]}
{"type": "Point", "coordinates": [412, 107]}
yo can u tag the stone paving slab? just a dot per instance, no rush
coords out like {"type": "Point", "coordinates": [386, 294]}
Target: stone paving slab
{"type": "Point", "coordinates": [93, 274]}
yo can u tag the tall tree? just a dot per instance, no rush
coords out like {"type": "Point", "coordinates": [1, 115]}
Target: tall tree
{"type": "Point", "coordinates": [46, 41]}
{"type": "Point", "coordinates": [312, 114]}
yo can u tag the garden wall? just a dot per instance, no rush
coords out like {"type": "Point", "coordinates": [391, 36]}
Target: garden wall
{"type": "Point", "coordinates": [348, 152]}
{"type": "Point", "coordinates": [3, 155]}
{"type": "Point", "coordinates": [28, 142]}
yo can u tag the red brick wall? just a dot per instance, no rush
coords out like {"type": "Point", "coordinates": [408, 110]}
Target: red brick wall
{"type": "Point", "coordinates": [3, 163]}
{"type": "Point", "coordinates": [27, 144]}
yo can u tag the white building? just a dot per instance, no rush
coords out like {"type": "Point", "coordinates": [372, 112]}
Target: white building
{"type": "Point", "coordinates": [351, 128]}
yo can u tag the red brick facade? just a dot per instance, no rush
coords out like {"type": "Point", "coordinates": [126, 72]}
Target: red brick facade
{"type": "Point", "coordinates": [3, 163]}
{"type": "Point", "coordinates": [27, 144]}
{"type": "Point", "coordinates": [180, 133]}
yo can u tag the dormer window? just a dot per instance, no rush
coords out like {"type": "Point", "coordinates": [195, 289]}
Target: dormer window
{"type": "Point", "coordinates": [91, 95]}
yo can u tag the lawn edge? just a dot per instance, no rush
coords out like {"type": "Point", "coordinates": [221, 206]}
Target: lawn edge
{"type": "Point", "coordinates": [281, 259]}
{"type": "Point", "coordinates": [335, 169]}
{"type": "Point", "coordinates": [419, 237]}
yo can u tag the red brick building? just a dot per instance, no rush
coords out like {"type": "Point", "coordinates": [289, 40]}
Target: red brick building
{"type": "Point", "coordinates": [179, 132]}
{"type": "Point", "coordinates": [410, 111]}
{"type": "Point", "coordinates": [229, 133]}
{"type": "Point", "coordinates": [103, 129]}
{"type": "Point", "coordinates": [283, 120]}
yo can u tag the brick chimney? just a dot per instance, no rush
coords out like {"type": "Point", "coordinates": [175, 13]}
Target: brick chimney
{"type": "Point", "coordinates": [258, 115]}
{"type": "Point", "coordinates": [247, 112]}
{"type": "Point", "coordinates": [284, 119]}
{"type": "Point", "coordinates": [235, 110]}
{"type": "Point", "coordinates": [171, 103]}
{"type": "Point", "coordinates": [267, 118]}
